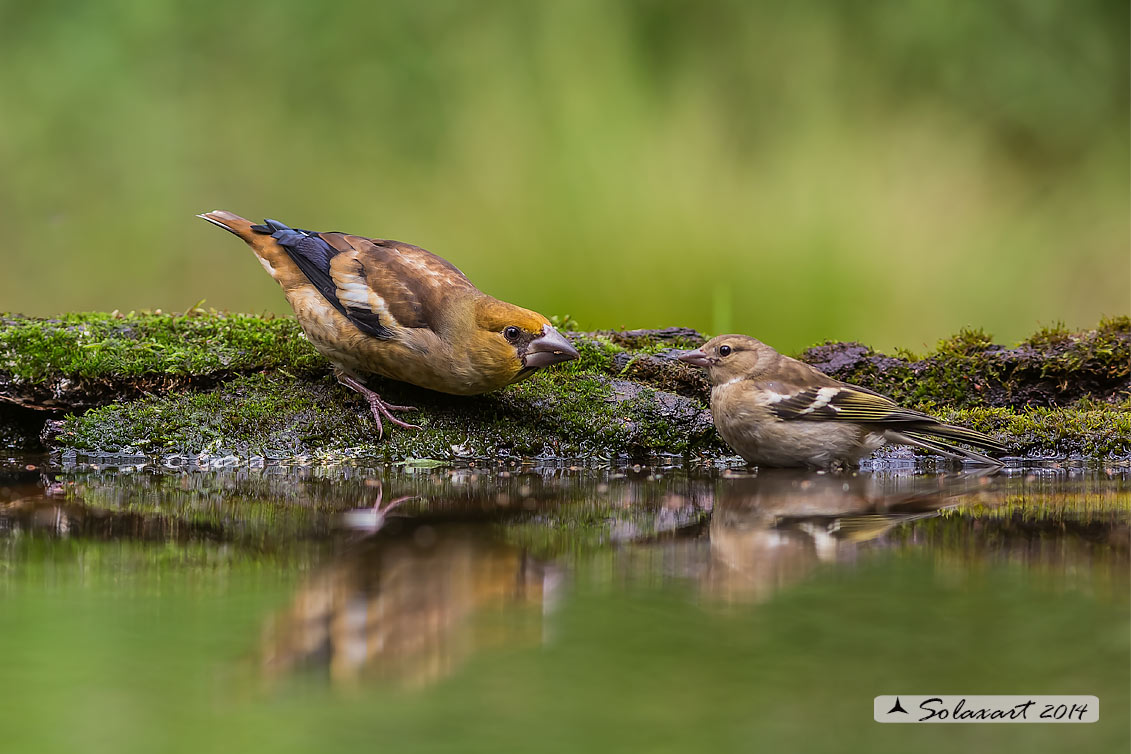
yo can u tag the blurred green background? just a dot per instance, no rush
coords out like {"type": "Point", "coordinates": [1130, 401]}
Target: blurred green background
{"type": "Point", "coordinates": [888, 171]}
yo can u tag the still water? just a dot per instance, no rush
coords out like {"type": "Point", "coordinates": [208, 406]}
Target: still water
{"type": "Point", "coordinates": [523, 608]}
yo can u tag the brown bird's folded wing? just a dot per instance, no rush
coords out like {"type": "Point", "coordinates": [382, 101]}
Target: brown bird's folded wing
{"type": "Point", "coordinates": [405, 284]}
{"type": "Point", "coordinates": [376, 284]}
{"type": "Point", "coordinates": [849, 403]}
{"type": "Point", "coordinates": [842, 403]}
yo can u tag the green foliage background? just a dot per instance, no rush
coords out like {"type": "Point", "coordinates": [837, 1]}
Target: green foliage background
{"type": "Point", "coordinates": [889, 171]}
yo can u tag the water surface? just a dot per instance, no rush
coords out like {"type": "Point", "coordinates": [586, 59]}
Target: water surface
{"type": "Point", "coordinates": [523, 608]}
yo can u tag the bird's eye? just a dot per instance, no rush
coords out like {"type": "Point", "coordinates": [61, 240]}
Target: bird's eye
{"type": "Point", "coordinates": [511, 333]}
{"type": "Point", "coordinates": [724, 350]}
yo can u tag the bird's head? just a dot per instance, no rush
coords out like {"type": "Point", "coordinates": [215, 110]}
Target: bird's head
{"type": "Point", "coordinates": [514, 339]}
{"type": "Point", "coordinates": [731, 357]}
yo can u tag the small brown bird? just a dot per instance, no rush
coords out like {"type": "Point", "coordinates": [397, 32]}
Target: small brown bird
{"type": "Point", "coordinates": [383, 307]}
{"type": "Point", "coordinates": [778, 411]}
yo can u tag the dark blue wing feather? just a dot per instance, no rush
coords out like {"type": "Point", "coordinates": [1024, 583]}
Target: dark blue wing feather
{"type": "Point", "coordinates": [313, 255]}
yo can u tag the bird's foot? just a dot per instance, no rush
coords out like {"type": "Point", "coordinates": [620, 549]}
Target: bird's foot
{"type": "Point", "coordinates": [372, 519]}
{"type": "Point", "coordinates": [377, 407]}
{"type": "Point", "coordinates": [382, 509]}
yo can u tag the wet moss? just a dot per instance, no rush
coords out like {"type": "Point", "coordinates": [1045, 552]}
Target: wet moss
{"type": "Point", "coordinates": [655, 341]}
{"type": "Point", "coordinates": [1085, 429]}
{"type": "Point", "coordinates": [1052, 368]}
{"type": "Point", "coordinates": [130, 345]}
{"type": "Point", "coordinates": [596, 354]}
{"type": "Point", "coordinates": [645, 356]}
{"type": "Point", "coordinates": [276, 416]}
{"type": "Point", "coordinates": [220, 383]}
{"type": "Point", "coordinates": [81, 360]}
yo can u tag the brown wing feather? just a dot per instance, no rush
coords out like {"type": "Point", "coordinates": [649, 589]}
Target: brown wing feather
{"type": "Point", "coordinates": [398, 280]}
{"type": "Point", "coordinates": [841, 402]}
{"type": "Point", "coordinates": [848, 403]}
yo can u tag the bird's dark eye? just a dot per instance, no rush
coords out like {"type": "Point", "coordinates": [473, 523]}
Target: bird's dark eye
{"type": "Point", "coordinates": [511, 333]}
{"type": "Point", "coordinates": [724, 350]}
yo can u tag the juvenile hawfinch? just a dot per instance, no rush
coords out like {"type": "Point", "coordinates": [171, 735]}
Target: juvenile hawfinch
{"type": "Point", "coordinates": [777, 411]}
{"type": "Point", "coordinates": [383, 307]}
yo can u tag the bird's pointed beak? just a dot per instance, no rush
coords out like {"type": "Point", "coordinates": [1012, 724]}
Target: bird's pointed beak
{"type": "Point", "coordinates": [551, 347]}
{"type": "Point", "coordinates": [697, 358]}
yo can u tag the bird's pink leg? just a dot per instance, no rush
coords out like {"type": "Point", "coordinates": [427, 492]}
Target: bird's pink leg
{"type": "Point", "coordinates": [377, 406]}
{"type": "Point", "coordinates": [382, 510]}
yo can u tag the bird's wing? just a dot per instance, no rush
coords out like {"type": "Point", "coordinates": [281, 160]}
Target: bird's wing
{"type": "Point", "coordinates": [376, 284]}
{"type": "Point", "coordinates": [839, 402]}
{"type": "Point", "coordinates": [803, 393]}
{"type": "Point", "coordinates": [405, 284]}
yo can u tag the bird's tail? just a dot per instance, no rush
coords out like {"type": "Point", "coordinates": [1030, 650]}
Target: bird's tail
{"type": "Point", "coordinates": [962, 434]}
{"type": "Point", "coordinates": [927, 438]}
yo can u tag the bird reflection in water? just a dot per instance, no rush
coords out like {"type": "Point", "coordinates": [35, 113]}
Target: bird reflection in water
{"type": "Point", "coordinates": [413, 597]}
{"type": "Point", "coordinates": [770, 530]}
{"type": "Point", "coordinates": [409, 603]}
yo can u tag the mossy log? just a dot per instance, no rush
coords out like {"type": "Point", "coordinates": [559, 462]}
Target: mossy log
{"type": "Point", "coordinates": [249, 386]}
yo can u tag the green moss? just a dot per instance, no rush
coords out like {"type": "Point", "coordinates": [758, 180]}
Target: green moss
{"type": "Point", "coordinates": [252, 385]}
{"type": "Point", "coordinates": [1113, 326]}
{"type": "Point", "coordinates": [1067, 355]}
{"type": "Point", "coordinates": [1046, 337]}
{"type": "Point", "coordinates": [564, 322]}
{"type": "Point", "coordinates": [967, 342]}
{"type": "Point", "coordinates": [272, 415]}
{"type": "Point", "coordinates": [124, 346]}
{"type": "Point", "coordinates": [596, 354]}
{"type": "Point", "coordinates": [1053, 367]}
{"type": "Point", "coordinates": [655, 346]}
{"type": "Point", "coordinates": [1087, 429]}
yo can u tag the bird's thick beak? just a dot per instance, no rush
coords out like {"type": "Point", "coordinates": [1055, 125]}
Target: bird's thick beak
{"type": "Point", "coordinates": [696, 358]}
{"type": "Point", "coordinates": [550, 347]}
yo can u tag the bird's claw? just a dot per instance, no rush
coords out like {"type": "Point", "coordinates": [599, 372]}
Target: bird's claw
{"type": "Point", "coordinates": [391, 407]}
{"type": "Point", "coordinates": [377, 407]}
